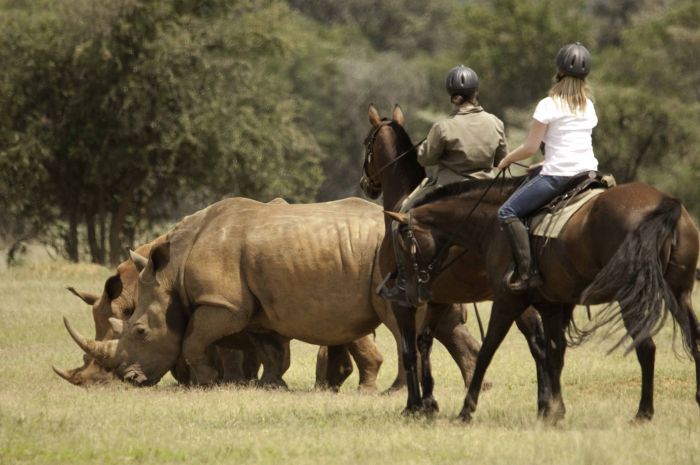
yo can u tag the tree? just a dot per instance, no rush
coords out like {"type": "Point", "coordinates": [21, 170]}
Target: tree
{"type": "Point", "coordinates": [109, 121]}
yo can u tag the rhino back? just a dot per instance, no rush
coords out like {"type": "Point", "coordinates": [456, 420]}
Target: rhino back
{"type": "Point", "coordinates": [303, 270]}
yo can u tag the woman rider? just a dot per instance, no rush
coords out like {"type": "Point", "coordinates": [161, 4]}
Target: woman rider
{"type": "Point", "coordinates": [467, 144]}
{"type": "Point", "coordinates": [564, 121]}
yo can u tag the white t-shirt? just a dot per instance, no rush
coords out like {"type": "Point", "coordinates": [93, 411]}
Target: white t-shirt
{"type": "Point", "coordinates": [568, 144]}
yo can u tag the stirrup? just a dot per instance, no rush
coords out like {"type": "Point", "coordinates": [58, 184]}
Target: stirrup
{"type": "Point", "coordinates": [521, 284]}
{"type": "Point", "coordinates": [395, 294]}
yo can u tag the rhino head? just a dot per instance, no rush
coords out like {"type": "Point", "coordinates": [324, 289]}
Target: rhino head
{"type": "Point", "coordinates": [116, 301]}
{"type": "Point", "coordinates": [149, 341]}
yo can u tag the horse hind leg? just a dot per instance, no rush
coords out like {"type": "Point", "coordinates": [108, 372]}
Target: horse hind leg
{"type": "Point", "coordinates": [556, 318]}
{"type": "Point", "coordinates": [530, 325]}
{"type": "Point", "coordinates": [503, 313]}
{"type": "Point", "coordinates": [646, 356]}
{"type": "Point", "coordinates": [685, 301]}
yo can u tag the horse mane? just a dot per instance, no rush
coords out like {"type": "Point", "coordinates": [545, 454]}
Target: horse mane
{"type": "Point", "coordinates": [505, 186]}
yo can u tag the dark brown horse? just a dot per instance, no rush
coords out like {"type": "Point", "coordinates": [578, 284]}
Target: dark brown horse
{"type": "Point", "coordinates": [631, 244]}
{"type": "Point", "coordinates": [391, 168]}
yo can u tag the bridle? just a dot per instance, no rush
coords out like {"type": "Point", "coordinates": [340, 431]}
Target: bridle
{"type": "Point", "coordinates": [370, 182]}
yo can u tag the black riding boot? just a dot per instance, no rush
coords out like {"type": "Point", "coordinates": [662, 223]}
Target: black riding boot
{"type": "Point", "coordinates": [524, 275]}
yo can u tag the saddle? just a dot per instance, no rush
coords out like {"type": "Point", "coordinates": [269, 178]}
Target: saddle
{"type": "Point", "coordinates": [549, 220]}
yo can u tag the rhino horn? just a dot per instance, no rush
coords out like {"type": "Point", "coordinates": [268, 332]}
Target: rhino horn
{"type": "Point", "coordinates": [104, 352]}
{"type": "Point", "coordinates": [117, 325]}
{"type": "Point", "coordinates": [139, 260]}
{"type": "Point", "coordinates": [63, 374]}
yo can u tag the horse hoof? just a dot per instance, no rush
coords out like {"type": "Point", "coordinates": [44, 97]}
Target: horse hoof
{"type": "Point", "coordinates": [411, 411]}
{"type": "Point", "coordinates": [643, 417]}
{"type": "Point", "coordinates": [553, 415]}
{"type": "Point", "coordinates": [465, 417]}
{"type": "Point", "coordinates": [430, 406]}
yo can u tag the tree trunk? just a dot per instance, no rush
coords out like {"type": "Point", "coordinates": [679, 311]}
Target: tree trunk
{"type": "Point", "coordinates": [115, 244]}
{"type": "Point", "coordinates": [96, 252]}
{"type": "Point", "coordinates": [71, 238]}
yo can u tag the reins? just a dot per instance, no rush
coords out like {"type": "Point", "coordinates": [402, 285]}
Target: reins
{"type": "Point", "coordinates": [427, 273]}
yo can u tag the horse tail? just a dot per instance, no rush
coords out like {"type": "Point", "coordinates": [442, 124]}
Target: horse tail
{"type": "Point", "coordinates": [634, 277]}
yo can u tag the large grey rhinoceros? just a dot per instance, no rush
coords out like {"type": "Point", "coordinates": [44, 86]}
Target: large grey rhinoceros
{"type": "Point", "coordinates": [305, 271]}
{"type": "Point", "coordinates": [237, 357]}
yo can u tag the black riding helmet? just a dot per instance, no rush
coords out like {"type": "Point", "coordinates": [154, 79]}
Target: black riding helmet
{"type": "Point", "coordinates": [460, 80]}
{"type": "Point", "coordinates": [574, 60]}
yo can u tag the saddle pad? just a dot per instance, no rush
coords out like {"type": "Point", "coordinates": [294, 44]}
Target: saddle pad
{"type": "Point", "coordinates": [550, 224]}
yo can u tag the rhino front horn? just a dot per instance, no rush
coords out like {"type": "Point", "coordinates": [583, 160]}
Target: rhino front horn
{"type": "Point", "coordinates": [102, 351]}
{"type": "Point", "coordinates": [62, 373]}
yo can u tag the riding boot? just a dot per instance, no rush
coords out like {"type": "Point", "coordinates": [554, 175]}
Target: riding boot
{"type": "Point", "coordinates": [524, 275]}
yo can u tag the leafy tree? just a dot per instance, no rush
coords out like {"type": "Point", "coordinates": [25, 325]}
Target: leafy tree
{"type": "Point", "coordinates": [649, 103]}
{"type": "Point", "coordinates": [512, 44]}
{"type": "Point", "coordinates": [111, 121]}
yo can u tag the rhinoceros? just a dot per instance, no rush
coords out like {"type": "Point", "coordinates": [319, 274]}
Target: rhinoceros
{"type": "Point", "coordinates": [235, 357]}
{"type": "Point", "coordinates": [304, 271]}
{"type": "Point", "coordinates": [236, 360]}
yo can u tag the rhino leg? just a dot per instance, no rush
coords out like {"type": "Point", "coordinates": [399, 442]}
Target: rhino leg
{"type": "Point", "coordinates": [333, 366]}
{"type": "Point", "coordinates": [273, 350]}
{"type": "Point", "coordinates": [208, 324]}
{"type": "Point", "coordinates": [368, 359]}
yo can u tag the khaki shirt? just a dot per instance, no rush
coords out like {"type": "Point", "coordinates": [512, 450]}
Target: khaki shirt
{"type": "Point", "coordinates": [467, 144]}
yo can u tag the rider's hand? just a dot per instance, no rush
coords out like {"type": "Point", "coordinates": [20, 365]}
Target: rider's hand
{"type": "Point", "coordinates": [505, 163]}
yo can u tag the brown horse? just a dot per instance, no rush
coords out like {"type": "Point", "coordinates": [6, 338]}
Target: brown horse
{"type": "Point", "coordinates": [391, 168]}
{"type": "Point", "coordinates": [631, 244]}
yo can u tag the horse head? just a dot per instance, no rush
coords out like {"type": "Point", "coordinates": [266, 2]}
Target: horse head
{"type": "Point", "coordinates": [386, 143]}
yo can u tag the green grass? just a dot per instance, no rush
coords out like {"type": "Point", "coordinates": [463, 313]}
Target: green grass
{"type": "Point", "coordinates": [43, 419]}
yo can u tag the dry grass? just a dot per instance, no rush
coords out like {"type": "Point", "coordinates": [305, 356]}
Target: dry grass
{"type": "Point", "coordinates": [43, 419]}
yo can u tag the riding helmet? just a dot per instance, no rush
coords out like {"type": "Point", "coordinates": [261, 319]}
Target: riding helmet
{"type": "Point", "coordinates": [461, 79]}
{"type": "Point", "coordinates": [574, 60]}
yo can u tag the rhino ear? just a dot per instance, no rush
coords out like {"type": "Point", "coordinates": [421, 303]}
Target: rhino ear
{"type": "Point", "coordinates": [160, 256]}
{"type": "Point", "coordinates": [139, 260]}
{"type": "Point", "coordinates": [117, 325]}
{"type": "Point", "coordinates": [400, 217]}
{"type": "Point", "coordinates": [87, 297]}
{"type": "Point", "coordinates": [113, 287]}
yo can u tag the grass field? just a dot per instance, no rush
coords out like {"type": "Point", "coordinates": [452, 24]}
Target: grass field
{"type": "Point", "coordinates": [43, 419]}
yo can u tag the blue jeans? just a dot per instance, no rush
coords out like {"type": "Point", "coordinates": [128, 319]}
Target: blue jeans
{"type": "Point", "coordinates": [532, 195]}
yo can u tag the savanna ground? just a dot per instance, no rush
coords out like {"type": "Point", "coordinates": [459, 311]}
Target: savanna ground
{"type": "Point", "coordinates": [43, 419]}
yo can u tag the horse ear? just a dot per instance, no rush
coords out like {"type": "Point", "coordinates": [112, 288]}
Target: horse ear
{"type": "Point", "coordinates": [374, 118]}
{"type": "Point", "coordinates": [400, 217]}
{"type": "Point", "coordinates": [397, 115]}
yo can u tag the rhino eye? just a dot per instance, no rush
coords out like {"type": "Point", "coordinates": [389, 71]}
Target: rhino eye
{"type": "Point", "coordinates": [128, 312]}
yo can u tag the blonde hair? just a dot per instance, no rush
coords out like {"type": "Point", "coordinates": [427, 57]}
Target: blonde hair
{"type": "Point", "coordinates": [571, 91]}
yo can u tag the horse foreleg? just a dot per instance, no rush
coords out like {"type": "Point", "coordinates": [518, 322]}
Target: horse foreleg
{"type": "Point", "coordinates": [555, 318]}
{"type": "Point", "coordinates": [503, 314]}
{"type": "Point", "coordinates": [454, 335]}
{"type": "Point", "coordinates": [530, 325]}
{"type": "Point", "coordinates": [406, 321]}
{"type": "Point", "coordinates": [434, 315]}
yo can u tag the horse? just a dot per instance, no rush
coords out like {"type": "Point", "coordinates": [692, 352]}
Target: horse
{"type": "Point", "coordinates": [391, 169]}
{"type": "Point", "coordinates": [631, 244]}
